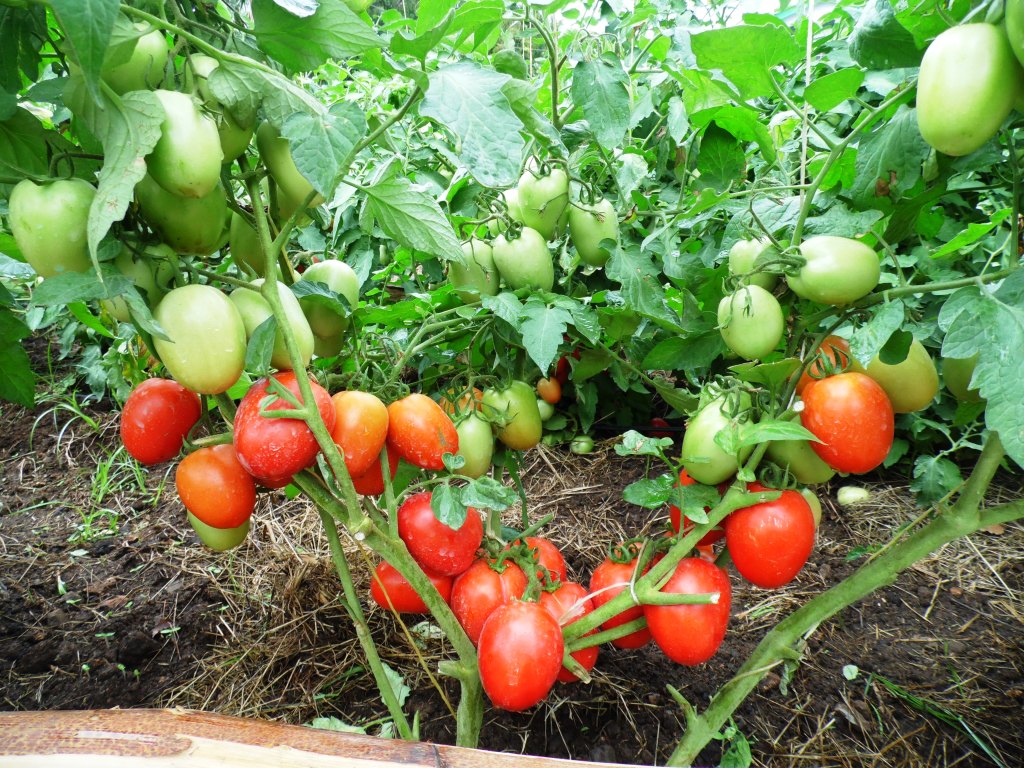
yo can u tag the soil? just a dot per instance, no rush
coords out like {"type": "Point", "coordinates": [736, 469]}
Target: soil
{"type": "Point", "coordinates": [108, 600]}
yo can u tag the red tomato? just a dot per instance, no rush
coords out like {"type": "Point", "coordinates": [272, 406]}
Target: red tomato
{"type": "Point", "coordinates": [562, 370]}
{"type": "Point", "coordinates": [852, 415]}
{"type": "Point", "coordinates": [272, 450]}
{"type": "Point", "coordinates": [481, 589]}
{"type": "Point", "coordinates": [360, 428]}
{"type": "Point", "coordinates": [434, 545]}
{"type": "Point", "coordinates": [520, 655]}
{"type": "Point", "coordinates": [548, 555]}
{"type": "Point", "coordinates": [156, 418]}
{"type": "Point", "coordinates": [550, 390]}
{"type": "Point", "coordinates": [769, 542]}
{"type": "Point", "coordinates": [690, 634]}
{"type": "Point", "coordinates": [658, 427]}
{"type": "Point", "coordinates": [214, 486]}
{"type": "Point", "coordinates": [828, 349]}
{"type": "Point", "coordinates": [390, 590]}
{"type": "Point", "coordinates": [466, 402]}
{"type": "Point", "coordinates": [608, 580]}
{"type": "Point", "coordinates": [674, 512]}
{"type": "Point", "coordinates": [569, 603]}
{"type": "Point", "coordinates": [421, 431]}
{"type": "Point", "coordinates": [372, 483]}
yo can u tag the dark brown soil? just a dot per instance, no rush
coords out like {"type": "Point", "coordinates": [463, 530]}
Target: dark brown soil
{"type": "Point", "coordinates": [138, 614]}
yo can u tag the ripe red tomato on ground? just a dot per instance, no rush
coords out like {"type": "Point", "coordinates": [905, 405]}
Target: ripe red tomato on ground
{"type": "Point", "coordinates": [434, 545]}
{"type": "Point", "coordinates": [360, 429]}
{"type": "Point", "coordinates": [569, 603]}
{"type": "Point", "coordinates": [520, 653]}
{"type": "Point", "coordinates": [853, 417]}
{"type": "Point", "coordinates": [480, 590]}
{"type": "Point", "coordinates": [690, 634]}
{"type": "Point", "coordinates": [272, 450]}
{"type": "Point", "coordinates": [372, 482]}
{"type": "Point", "coordinates": [607, 581]}
{"type": "Point", "coordinates": [421, 431]}
{"type": "Point", "coordinates": [214, 486]}
{"type": "Point", "coordinates": [769, 542]}
{"type": "Point", "coordinates": [156, 418]}
{"type": "Point", "coordinates": [389, 589]}
{"type": "Point", "coordinates": [715, 534]}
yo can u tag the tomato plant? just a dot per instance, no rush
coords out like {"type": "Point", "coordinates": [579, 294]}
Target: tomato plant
{"type": "Point", "coordinates": [186, 160]}
{"type": "Point", "coordinates": [543, 199]}
{"type": "Point", "coordinates": [770, 541]}
{"type": "Point", "coordinates": [215, 487]}
{"type": "Point", "coordinates": [520, 655]}
{"type": "Point", "coordinates": [852, 416]}
{"type": "Point", "coordinates": [703, 459]}
{"type": "Point", "coordinates": [255, 310]}
{"type": "Point", "coordinates": [477, 276]}
{"type": "Point", "coordinates": [421, 431]}
{"type": "Point", "coordinates": [832, 354]}
{"type": "Point", "coordinates": [677, 517]}
{"type": "Point", "coordinates": [476, 445]}
{"type": "Point", "coordinates": [743, 258]}
{"type": "Point", "coordinates": [437, 547]}
{"type": "Point", "coordinates": [156, 418]}
{"type": "Point", "coordinates": [524, 261]}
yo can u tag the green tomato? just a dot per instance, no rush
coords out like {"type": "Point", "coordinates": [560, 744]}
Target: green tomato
{"type": "Point", "coordinates": [49, 223]}
{"type": "Point", "coordinates": [966, 88]}
{"type": "Point", "coordinates": [525, 262]}
{"type": "Point", "coordinates": [1013, 21]}
{"type": "Point", "coordinates": [514, 209]}
{"type": "Point", "coordinates": [358, 6]}
{"type": "Point", "coordinates": [196, 225]}
{"type": "Point", "coordinates": [588, 226]}
{"type": "Point", "coordinates": [144, 69]}
{"type": "Point", "coordinates": [751, 322]}
{"type": "Point", "coordinates": [205, 346]}
{"type": "Point", "coordinates": [703, 460]}
{"type": "Point", "coordinates": [814, 503]}
{"type": "Point", "coordinates": [742, 259]}
{"type": "Point", "coordinates": [582, 444]}
{"type": "Point", "coordinates": [546, 409]}
{"type": "Point", "coordinates": [476, 277]}
{"type": "Point", "coordinates": [516, 406]}
{"type": "Point", "coordinates": [244, 245]}
{"type": "Point", "coordinates": [957, 374]}
{"type": "Point", "coordinates": [800, 459]}
{"type": "Point", "coordinates": [234, 137]}
{"type": "Point", "coordinates": [544, 200]}
{"type": "Point", "coordinates": [838, 270]}
{"type": "Point", "coordinates": [187, 158]}
{"type": "Point", "coordinates": [142, 272]}
{"type": "Point", "coordinates": [292, 186]}
{"type": "Point", "coordinates": [476, 445]}
{"type": "Point", "coordinates": [218, 539]}
{"type": "Point", "coordinates": [910, 384]}
{"type": "Point", "coordinates": [340, 278]}
{"type": "Point", "coordinates": [254, 310]}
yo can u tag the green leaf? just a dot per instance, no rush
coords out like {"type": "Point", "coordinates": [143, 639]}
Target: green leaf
{"type": "Point", "coordinates": [934, 478]}
{"type": "Point", "coordinates": [601, 90]}
{"type": "Point", "coordinates": [680, 399]}
{"type": "Point", "coordinates": [511, 63]}
{"type": "Point", "coordinates": [973, 234]}
{"type": "Point", "coordinates": [88, 25]}
{"type": "Point", "coordinates": [25, 145]}
{"type": "Point", "coordinates": [743, 123]}
{"type": "Point", "coordinates": [869, 339]}
{"type": "Point", "coordinates": [487, 493]}
{"type": "Point", "coordinates": [772, 375]}
{"type": "Point", "coordinates": [323, 145]}
{"type": "Point", "coordinates": [468, 100]}
{"type": "Point", "coordinates": [140, 313]}
{"type": "Point", "coordinates": [447, 505]}
{"type": "Point", "coordinates": [890, 159]}
{"type": "Point", "coordinates": [67, 287]}
{"type": "Point", "coordinates": [88, 319]}
{"type": "Point", "coordinates": [841, 221]}
{"type": "Point", "coordinates": [879, 41]}
{"type": "Point", "coordinates": [412, 217]}
{"type": "Point", "coordinates": [313, 292]}
{"type": "Point", "coordinates": [506, 306]}
{"type": "Point", "coordinates": [635, 444]}
{"type": "Point", "coordinates": [334, 724]}
{"type": "Point", "coordinates": [829, 91]}
{"type": "Point", "coordinates": [397, 683]}
{"type": "Point", "coordinates": [746, 55]}
{"type": "Point", "coordinates": [11, 328]}
{"type": "Point", "coordinates": [20, 29]}
{"type": "Point", "coordinates": [721, 161]}
{"type": "Point", "coordinates": [751, 433]}
{"type": "Point", "coordinates": [991, 324]}
{"type": "Point", "coordinates": [649, 493]}
{"type": "Point", "coordinates": [685, 353]}
{"type": "Point", "coordinates": [303, 44]}
{"type": "Point", "coordinates": [640, 278]}
{"type": "Point", "coordinates": [591, 363]}
{"type": "Point", "coordinates": [260, 348]}
{"type": "Point", "coordinates": [586, 401]}
{"type": "Point", "coordinates": [17, 382]}
{"type": "Point", "coordinates": [420, 45]}
{"type": "Point", "coordinates": [542, 328]}
{"type": "Point", "coordinates": [478, 19]}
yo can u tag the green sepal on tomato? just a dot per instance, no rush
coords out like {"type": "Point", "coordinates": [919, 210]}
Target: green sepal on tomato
{"type": "Point", "coordinates": [743, 260]}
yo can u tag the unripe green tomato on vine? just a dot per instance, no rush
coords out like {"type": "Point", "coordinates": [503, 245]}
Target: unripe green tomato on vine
{"type": "Point", "coordinates": [254, 310]}
{"type": "Point", "coordinates": [218, 539]}
{"type": "Point", "coordinates": [703, 459]}
{"type": "Point", "coordinates": [187, 158]}
{"type": "Point", "coordinates": [234, 137]}
{"type": "Point", "coordinates": [513, 209]}
{"type": "Point", "coordinates": [143, 273]}
{"type": "Point", "coordinates": [476, 445]}
{"type": "Point", "coordinates": [544, 200]}
{"type": "Point", "coordinates": [244, 245]}
{"type": "Point", "coordinates": [478, 276]}
{"type": "Point", "coordinates": [751, 322]}
{"type": "Point", "coordinates": [957, 374]}
{"type": "Point", "coordinates": [517, 404]}
{"type": "Point", "coordinates": [742, 257]}
{"type": "Point", "coordinates": [328, 326]}
{"type": "Point", "coordinates": [838, 270]}
{"type": "Point", "coordinates": [292, 186]}
{"type": "Point", "coordinates": [205, 346]}
{"type": "Point", "coordinates": [967, 86]}
{"type": "Point", "coordinates": [526, 261]}
{"type": "Point", "coordinates": [588, 226]}
{"type": "Point", "coordinates": [144, 68]}
{"type": "Point", "coordinates": [49, 223]}
{"type": "Point", "coordinates": [910, 384]}
{"type": "Point", "coordinates": [196, 225]}
{"type": "Point", "coordinates": [800, 459]}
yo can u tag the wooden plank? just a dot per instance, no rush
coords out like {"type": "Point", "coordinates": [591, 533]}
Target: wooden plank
{"type": "Point", "coordinates": [178, 738]}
